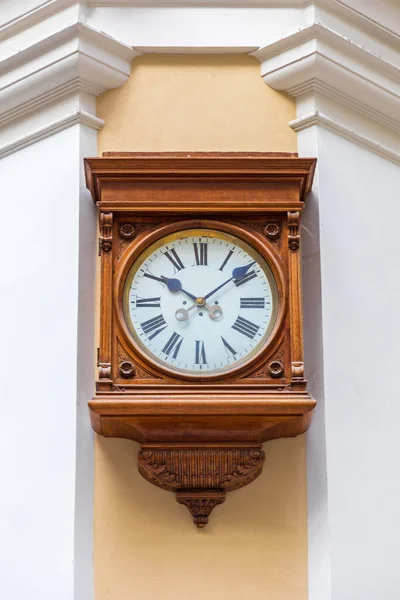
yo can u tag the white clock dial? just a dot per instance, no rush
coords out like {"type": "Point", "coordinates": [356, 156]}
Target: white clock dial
{"type": "Point", "coordinates": [200, 301]}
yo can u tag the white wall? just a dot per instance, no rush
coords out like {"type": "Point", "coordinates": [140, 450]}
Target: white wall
{"type": "Point", "coordinates": [356, 501]}
{"type": "Point", "coordinates": [43, 386]}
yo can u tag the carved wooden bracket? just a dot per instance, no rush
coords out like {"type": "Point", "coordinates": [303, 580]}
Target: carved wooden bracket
{"type": "Point", "coordinates": [200, 476]}
{"type": "Point", "coordinates": [104, 370]}
{"type": "Point", "coordinates": [105, 240]}
{"type": "Point", "coordinates": [294, 230]}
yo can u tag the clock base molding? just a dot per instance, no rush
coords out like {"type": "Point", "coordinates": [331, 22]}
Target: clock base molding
{"type": "Point", "coordinates": [204, 443]}
{"type": "Point", "coordinates": [200, 476]}
{"type": "Point", "coordinates": [202, 416]}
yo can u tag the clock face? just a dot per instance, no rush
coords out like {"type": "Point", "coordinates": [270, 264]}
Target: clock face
{"type": "Point", "coordinates": [200, 302]}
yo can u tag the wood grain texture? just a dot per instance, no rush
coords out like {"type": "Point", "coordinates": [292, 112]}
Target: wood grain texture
{"type": "Point", "coordinates": [200, 430]}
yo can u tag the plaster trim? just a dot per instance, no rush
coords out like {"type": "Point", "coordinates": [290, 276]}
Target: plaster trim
{"type": "Point", "coordinates": [76, 58]}
{"type": "Point", "coordinates": [54, 61]}
{"type": "Point", "coordinates": [318, 118]}
{"type": "Point", "coordinates": [317, 58]}
{"type": "Point", "coordinates": [79, 117]}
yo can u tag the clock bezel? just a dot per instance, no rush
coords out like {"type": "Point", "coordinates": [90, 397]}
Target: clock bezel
{"type": "Point", "coordinates": [143, 243]}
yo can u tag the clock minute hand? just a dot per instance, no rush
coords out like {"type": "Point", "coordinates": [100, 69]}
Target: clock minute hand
{"type": "Point", "coordinates": [241, 272]}
{"type": "Point", "coordinates": [174, 285]}
{"type": "Point", "coordinates": [237, 273]}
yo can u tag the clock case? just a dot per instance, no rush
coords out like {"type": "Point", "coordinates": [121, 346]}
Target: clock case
{"type": "Point", "coordinates": [200, 436]}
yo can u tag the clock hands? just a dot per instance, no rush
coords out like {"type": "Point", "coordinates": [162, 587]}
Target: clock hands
{"type": "Point", "coordinates": [182, 314]}
{"type": "Point", "coordinates": [174, 285]}
{"type": "Point", "coordinates": [215, 312]}
{"type": "Point", "coordinates": [237, 273]}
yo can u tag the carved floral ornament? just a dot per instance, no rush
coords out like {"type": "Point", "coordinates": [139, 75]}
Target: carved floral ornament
{"type": "Point", "coordinates": [207, 476]}
{"type": "Point", "coordinates": [201, 431]}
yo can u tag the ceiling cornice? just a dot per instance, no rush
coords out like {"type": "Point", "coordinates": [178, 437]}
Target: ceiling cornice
{"type": "Point", "coordinates": [72, 59]}
{"type": "Point", "coordinates": [326, 49]}
{"type": "Point", "coordinates": [330, 64]}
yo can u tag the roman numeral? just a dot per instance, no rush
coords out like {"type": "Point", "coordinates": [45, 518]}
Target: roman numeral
{"type": "Point", "coordinates": [246, 327]}
{"type": "Point", "coordinates": [200, 253]}
{"type": "Point", "coordinates": [148, 302]}
{"type": "Point", "coordinates": [173, 345]}
{"type": "Point", "coordinates": [226, 260]}
{"type": "Point", "coordinates": [174, 258]}
{"type": "Point", "coordinates": [228, 346]}
{"type": "Point", "coordinates": [200, 358]}
{"type": "Point", "coordinates": [155, 325]}
{"type": "Point", "coordinates": [250, 275]}
{"type": "Point", "coordinates": [252, 302]}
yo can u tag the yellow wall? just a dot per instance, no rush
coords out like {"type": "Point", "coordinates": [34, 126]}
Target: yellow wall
{"type": "Point", "coordinates": [146, 546]}
{"type": "Point", "coordinates": [196, 103]}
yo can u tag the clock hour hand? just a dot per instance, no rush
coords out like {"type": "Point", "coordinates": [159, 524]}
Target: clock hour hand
{"type": "Point", "coordinates": [237, 273]}
{"type": "Point", "coordinates": [174, 285]}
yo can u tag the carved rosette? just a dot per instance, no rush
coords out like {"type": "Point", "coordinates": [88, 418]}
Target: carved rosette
{"type": "Point", "coordinates": [272, 232]}
{"type": "Point", "coordinates": [129, 232]}
{"type": "Point", "coordinates": [200, 476]}
{"type": "Point", "coordinates": [127, 368]}
{"type": "Point", "coordinates": [274, 368]}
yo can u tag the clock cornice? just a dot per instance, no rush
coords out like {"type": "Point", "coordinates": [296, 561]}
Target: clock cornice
{"type": "Point", "coordinates": [119, 171]}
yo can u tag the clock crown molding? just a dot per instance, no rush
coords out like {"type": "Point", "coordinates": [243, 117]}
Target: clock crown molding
{"type": "Point", "coordinates": [266, 166]}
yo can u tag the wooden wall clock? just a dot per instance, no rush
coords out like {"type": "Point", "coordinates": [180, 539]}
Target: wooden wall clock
{"type": "Point", "coordinates": [201, 353]}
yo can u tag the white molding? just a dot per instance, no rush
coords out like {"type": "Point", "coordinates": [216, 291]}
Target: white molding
{"type": "Point", "coordinates": [46, 9]}
{"type": "Point", "coordinates": [76, 31]}
{"type": "Point", "coordinates": [325, 48]}
{"type": "Point", "coordinates": [33, 16]}
{"type": "Point", "coordinates": [323, 33]}
{"type": "Point", "coordinates": [317, 118]}
{"type": "Point", "coordinates": [362, 21]}
{"type": "Point", "coordinates": [75, 58]}
{"type": "Point", "coordinates": [314, 86]}
{"type": "Point", "coordinates": [199, 3]}
{"type": "Point", "coordinates": [71, 87]}
{"type": "Point", "coordinates": [78, 117]}
{"type": "Point", "coordinates": [319, 58]}
{"type": "Point", "coordinates": [195, 49]}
